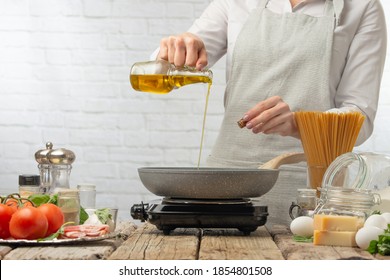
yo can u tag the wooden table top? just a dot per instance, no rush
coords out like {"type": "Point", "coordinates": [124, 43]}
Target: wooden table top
{"type": "Point", "coordinates": [146, 242]}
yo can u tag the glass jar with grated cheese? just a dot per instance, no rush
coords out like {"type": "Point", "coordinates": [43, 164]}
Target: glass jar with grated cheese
{"type": "Point", "coordinates": [347, 202]}
{"type": "Point", "coordinates": [355, 184]}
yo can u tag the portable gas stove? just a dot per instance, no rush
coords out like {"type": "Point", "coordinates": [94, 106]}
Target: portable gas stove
{"type": "Point", "coordinates": [168, 214]}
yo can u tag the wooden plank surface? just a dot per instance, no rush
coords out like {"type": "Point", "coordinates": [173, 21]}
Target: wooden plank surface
{"type": "Point", "coordinates": [293, 250]}
{"type": "Point", "coordinates": [149, 243]}
{"type": "Point", "coordinates": [85, 251]}
{"type": "Point", "coordinates": [231, 244]}
{"type": "Point", "coordinates": [4, 250]}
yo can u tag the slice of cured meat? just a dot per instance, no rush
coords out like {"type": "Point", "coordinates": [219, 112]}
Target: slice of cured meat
{"type": "Point", "coordinates": [85, 231]}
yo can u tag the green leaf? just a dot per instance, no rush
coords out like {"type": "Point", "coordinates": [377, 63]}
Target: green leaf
{"type": "Point", "coordinates": [83, 215]}
{"type": "Point", "coordinates": [54, 199]}
{"type": "Point", "coordinates": [104, 215]}
{"type": "Point", "coordinates": [299, 238]}
{"type": "Point", "coordinates": [382, 246]}
{"type": "Point", "coordinates": [384, 249]}
{"type": "Point", "coordinates": [373, 247]}
{"type": "Point", "coordinates": [39, 199]}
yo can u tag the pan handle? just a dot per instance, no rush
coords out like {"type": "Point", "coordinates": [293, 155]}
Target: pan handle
{"type": "Point", "coordinates": [288, 158]}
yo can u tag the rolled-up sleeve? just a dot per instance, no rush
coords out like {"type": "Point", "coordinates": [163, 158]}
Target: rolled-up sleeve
{"type": "Point", "coordinates": [211, 27]}
{"type": "Point", "coordinates": [360, 82]}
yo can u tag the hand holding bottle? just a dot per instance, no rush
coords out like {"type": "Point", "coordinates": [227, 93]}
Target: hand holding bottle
{"type": "Point", "coordinates": [184, 49]}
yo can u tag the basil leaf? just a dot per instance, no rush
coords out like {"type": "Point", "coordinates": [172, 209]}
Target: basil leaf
{"type": "Point", "coordinates": [382, 246]}
{"type": "Point", "coordinates": [83, 215]}
{"type": "Point", "coordinates": [299, 238]}
{"type": "Point", "coordinates": [103, 215]}
{"type": "Point", "coordinates": [384, 249]}
{"type": "Point", "coordinates": [54, 199]}
{"type": "Point", "coordinates": [39, 199]}
{"type": "Point", "coordinates": [373, 247]}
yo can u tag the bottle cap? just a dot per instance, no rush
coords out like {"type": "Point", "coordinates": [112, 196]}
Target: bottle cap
{"type": "Point", "coordinates": [29, 180]}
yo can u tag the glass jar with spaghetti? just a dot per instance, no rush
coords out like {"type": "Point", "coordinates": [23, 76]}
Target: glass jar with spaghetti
{"type": "Point", "coordinates": [324, 137]}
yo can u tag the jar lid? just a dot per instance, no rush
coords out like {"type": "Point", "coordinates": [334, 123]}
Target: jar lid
{"type": "Point", "coordinates": [67, 191]}
{"type": "Point", "coordinates": [348, 171]}
{"type": "Point", "coordinates": [86, 187]}
{"type": "Point", "coordinates": [307, 191]}
{"type": "Point", "coordinates": [29, 180]}
{"type": "Point", "coordinates": [61, 156]}
{"type": "Point", "coordinates": [41, 155]}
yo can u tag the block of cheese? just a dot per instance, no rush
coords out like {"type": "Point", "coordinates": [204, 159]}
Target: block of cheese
{"type": "Point", "coordinates": [336, 223]}
{"type": "Point", "coordinates": [334, 238]}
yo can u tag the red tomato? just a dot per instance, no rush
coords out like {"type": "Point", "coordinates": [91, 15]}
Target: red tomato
{"type": "Point", "coordinates": [28, 223]}
{"type": "Point", "coordinates": [5, 216]}
{"type": "Point", "coordinates": [14, 203]}
{"type": "Point", "coordinates": [54, 216]}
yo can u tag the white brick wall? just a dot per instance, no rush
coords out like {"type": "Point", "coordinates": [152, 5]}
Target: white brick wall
{"type": "Point", "coordinates": [64, 78]}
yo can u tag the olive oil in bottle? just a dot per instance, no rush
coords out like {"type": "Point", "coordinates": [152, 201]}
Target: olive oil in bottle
{"type": "Point", "coordinates": [162, 84]}
{"type": "Point", "coordinates": [161, 77]}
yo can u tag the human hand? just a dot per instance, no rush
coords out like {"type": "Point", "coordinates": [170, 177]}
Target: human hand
{"type": "Point", "coordinates": [184, 49]}
{"type": "Point", "coordinates": [272, 116]}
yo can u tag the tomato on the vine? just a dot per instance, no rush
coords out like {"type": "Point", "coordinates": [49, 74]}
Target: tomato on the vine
{"type": "Point", "coordinates": [18, 202]}
{"type": "Point", "coordinates": [54, 216]}
{"type": "Point", "coordinates": [28, 223]}
{"type": "Point", "coordinates": [5, 217]}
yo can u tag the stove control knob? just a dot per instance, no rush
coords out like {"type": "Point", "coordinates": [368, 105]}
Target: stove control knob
{"type": "Point", "coordinates": [138, 211]}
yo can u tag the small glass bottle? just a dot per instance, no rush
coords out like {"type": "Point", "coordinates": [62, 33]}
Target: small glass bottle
{"type": "Point", "coordinates": [306, 203]}
{"type": "Point", "coordinates": [87, 195]}
{"type": "Point", "coordinates": [69, 202]}
{"type": "Point", "coordinates": [29, 184]}
{"type": "Point", "coordinates": [161, 77]}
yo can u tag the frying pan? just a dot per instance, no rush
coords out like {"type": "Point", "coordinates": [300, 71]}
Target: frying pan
{"type": "Point", "coordinates": [215, 183]}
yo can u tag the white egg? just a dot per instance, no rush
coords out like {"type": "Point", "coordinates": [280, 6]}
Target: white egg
{"type": "Point", "coordinates": [303, 226]}
{"type": "Point", "coordinates": [386, 215]}
{"type": "Point", "coordinates": [366, 234]}
{"type": "Point", "coordinates": [376, 221]}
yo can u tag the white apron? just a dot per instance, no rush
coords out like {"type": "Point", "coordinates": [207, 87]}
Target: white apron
{"type": "Point", "coordinates": [276, 54]}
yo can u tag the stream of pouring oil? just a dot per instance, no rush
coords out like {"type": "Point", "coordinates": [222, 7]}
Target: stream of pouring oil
{"type": "Point", "coordinates": [204, 123]}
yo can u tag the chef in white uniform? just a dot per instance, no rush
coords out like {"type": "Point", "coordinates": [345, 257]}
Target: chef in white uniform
{"type": "Point", "coordinates": [284, 56]}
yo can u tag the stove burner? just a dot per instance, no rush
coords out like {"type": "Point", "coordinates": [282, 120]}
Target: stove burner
{"type": "Point", "coordinates": [172, 200]}
{"type": "Point", "coordinates": [168, 214]}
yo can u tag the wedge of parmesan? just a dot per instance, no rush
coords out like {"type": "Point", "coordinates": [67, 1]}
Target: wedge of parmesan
{"type": "Point", "coordinates": [337, 223]}
{"type": "Point", "coordinates": [335, 238]}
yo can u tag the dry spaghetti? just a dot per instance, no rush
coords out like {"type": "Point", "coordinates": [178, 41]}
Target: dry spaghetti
{"type": "Point", "coordinates": [325, 136]}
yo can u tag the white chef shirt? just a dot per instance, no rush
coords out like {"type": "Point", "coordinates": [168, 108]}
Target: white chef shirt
{"type": "Point", "coordinates": [359, 47]}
